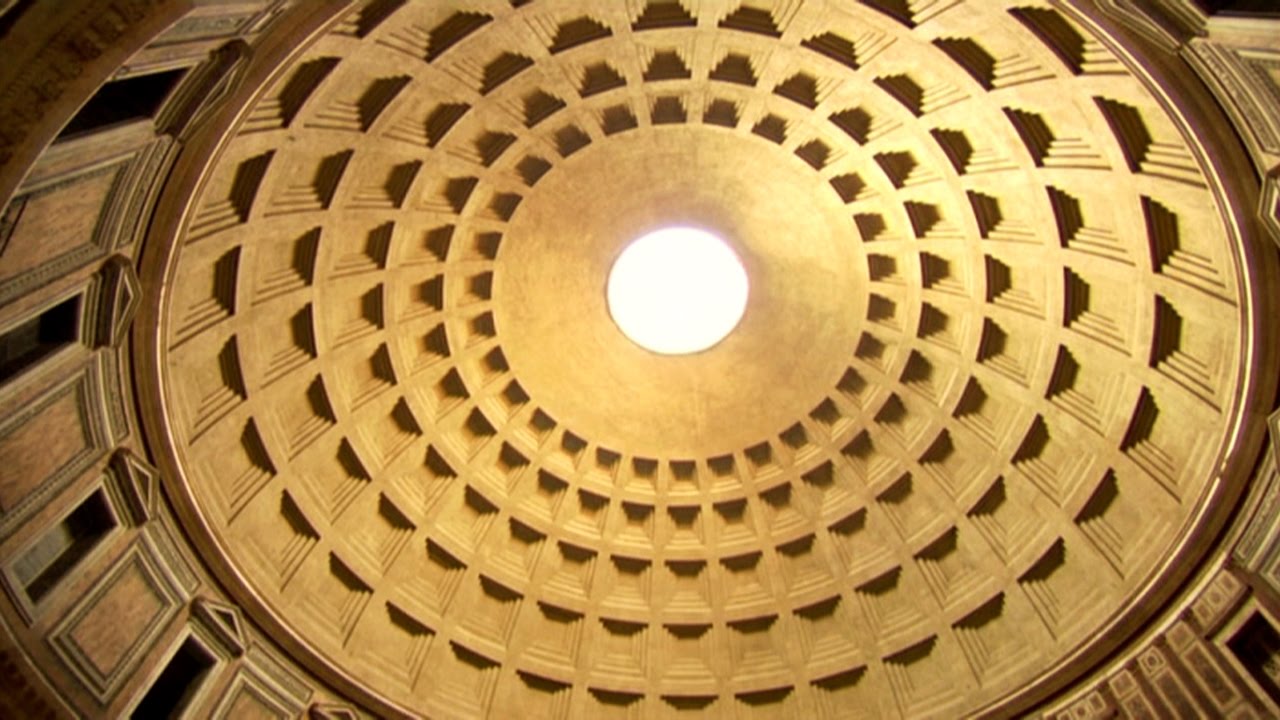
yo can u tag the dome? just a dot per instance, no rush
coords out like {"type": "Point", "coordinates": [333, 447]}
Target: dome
{"type": "Point", "coordinates": [988, 427]}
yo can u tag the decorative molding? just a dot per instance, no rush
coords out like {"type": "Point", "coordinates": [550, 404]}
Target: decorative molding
{"type": "Point", "coordinates": [1262, 91]}
{"type": "Point", "coordinates": [279, 673]}
{"type": "Point", "coordinates": [134, 485]}
{"type": "Point", "coordinates": [9, 220]}
{"type": "Point", "coordinates": [248, 688]}
{"type": "Point", "coordinates": [1261, 534]}
{"type": "Point", "coordinates": [1239, 78]}
{"type": "Point", "coordinates": [223, 622]}
{"type": "Point", "coordinates": [1269, 212]}
{"type": "Point", "coordinates": [1169, 24]}
{"type": "Point", "coordinates": [1175, 670]}
{"type": "Point", "coordinates": [264, 18]}
{"type": "Point", "coordinates": [1258, 549]}
{"type": "Point", "coordinates": [113, 400]}
{"type": "Point", "coordinates": [113, 298]}
{"type": "Point", "coordinates": [1216, 602]}
{"type": "Point", "coordinates": [204, 89]}
{"type": "Point", "coordinates": [1274, 423]}
{"type": "Point", "coordinates": [332, 711]}
{"type": "Point", "coordinates": [173, 561]}
{"type": "Point", "coordinates": [206, 27]}
{"type": "Point", "coordinates": [189, 41]}
{"type": "Point", "coordinates": [130, 201]}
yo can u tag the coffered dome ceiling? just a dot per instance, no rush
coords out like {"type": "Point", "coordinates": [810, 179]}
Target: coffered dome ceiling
{"type": "Point", "coordinates": [992, 361]}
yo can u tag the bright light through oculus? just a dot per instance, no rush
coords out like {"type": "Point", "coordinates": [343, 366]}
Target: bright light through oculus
{"type": "Point", "coordinates": [677, 291]}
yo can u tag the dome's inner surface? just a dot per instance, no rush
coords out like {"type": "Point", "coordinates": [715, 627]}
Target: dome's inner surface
{"type": "Point", "coordinates": [941, 452]}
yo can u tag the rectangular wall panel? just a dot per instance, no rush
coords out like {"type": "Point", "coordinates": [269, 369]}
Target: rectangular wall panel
{"type": "Point", "coordinates": [108, 632]}
{"type": "Point", "coordinates": [48, 443]}
{"type": "Point", "coordinates": [52, 231]}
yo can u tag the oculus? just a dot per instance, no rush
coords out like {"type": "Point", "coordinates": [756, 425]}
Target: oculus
{"type": "Point", "coordinates": [678, 290]}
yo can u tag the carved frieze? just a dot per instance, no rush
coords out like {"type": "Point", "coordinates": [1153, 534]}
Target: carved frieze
{"type": "Point", "coordinates": [204, 90]}
{"type": "Point", "coordinates": [1244, 81]}
{"type": "Point", "coordinates": [85, 34]}
{"type": "Point", "coordinates": [1169, 24]}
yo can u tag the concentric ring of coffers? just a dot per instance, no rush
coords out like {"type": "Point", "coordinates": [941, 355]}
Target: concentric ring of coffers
{"type": "Point", "coordinates": [1032, 279]}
